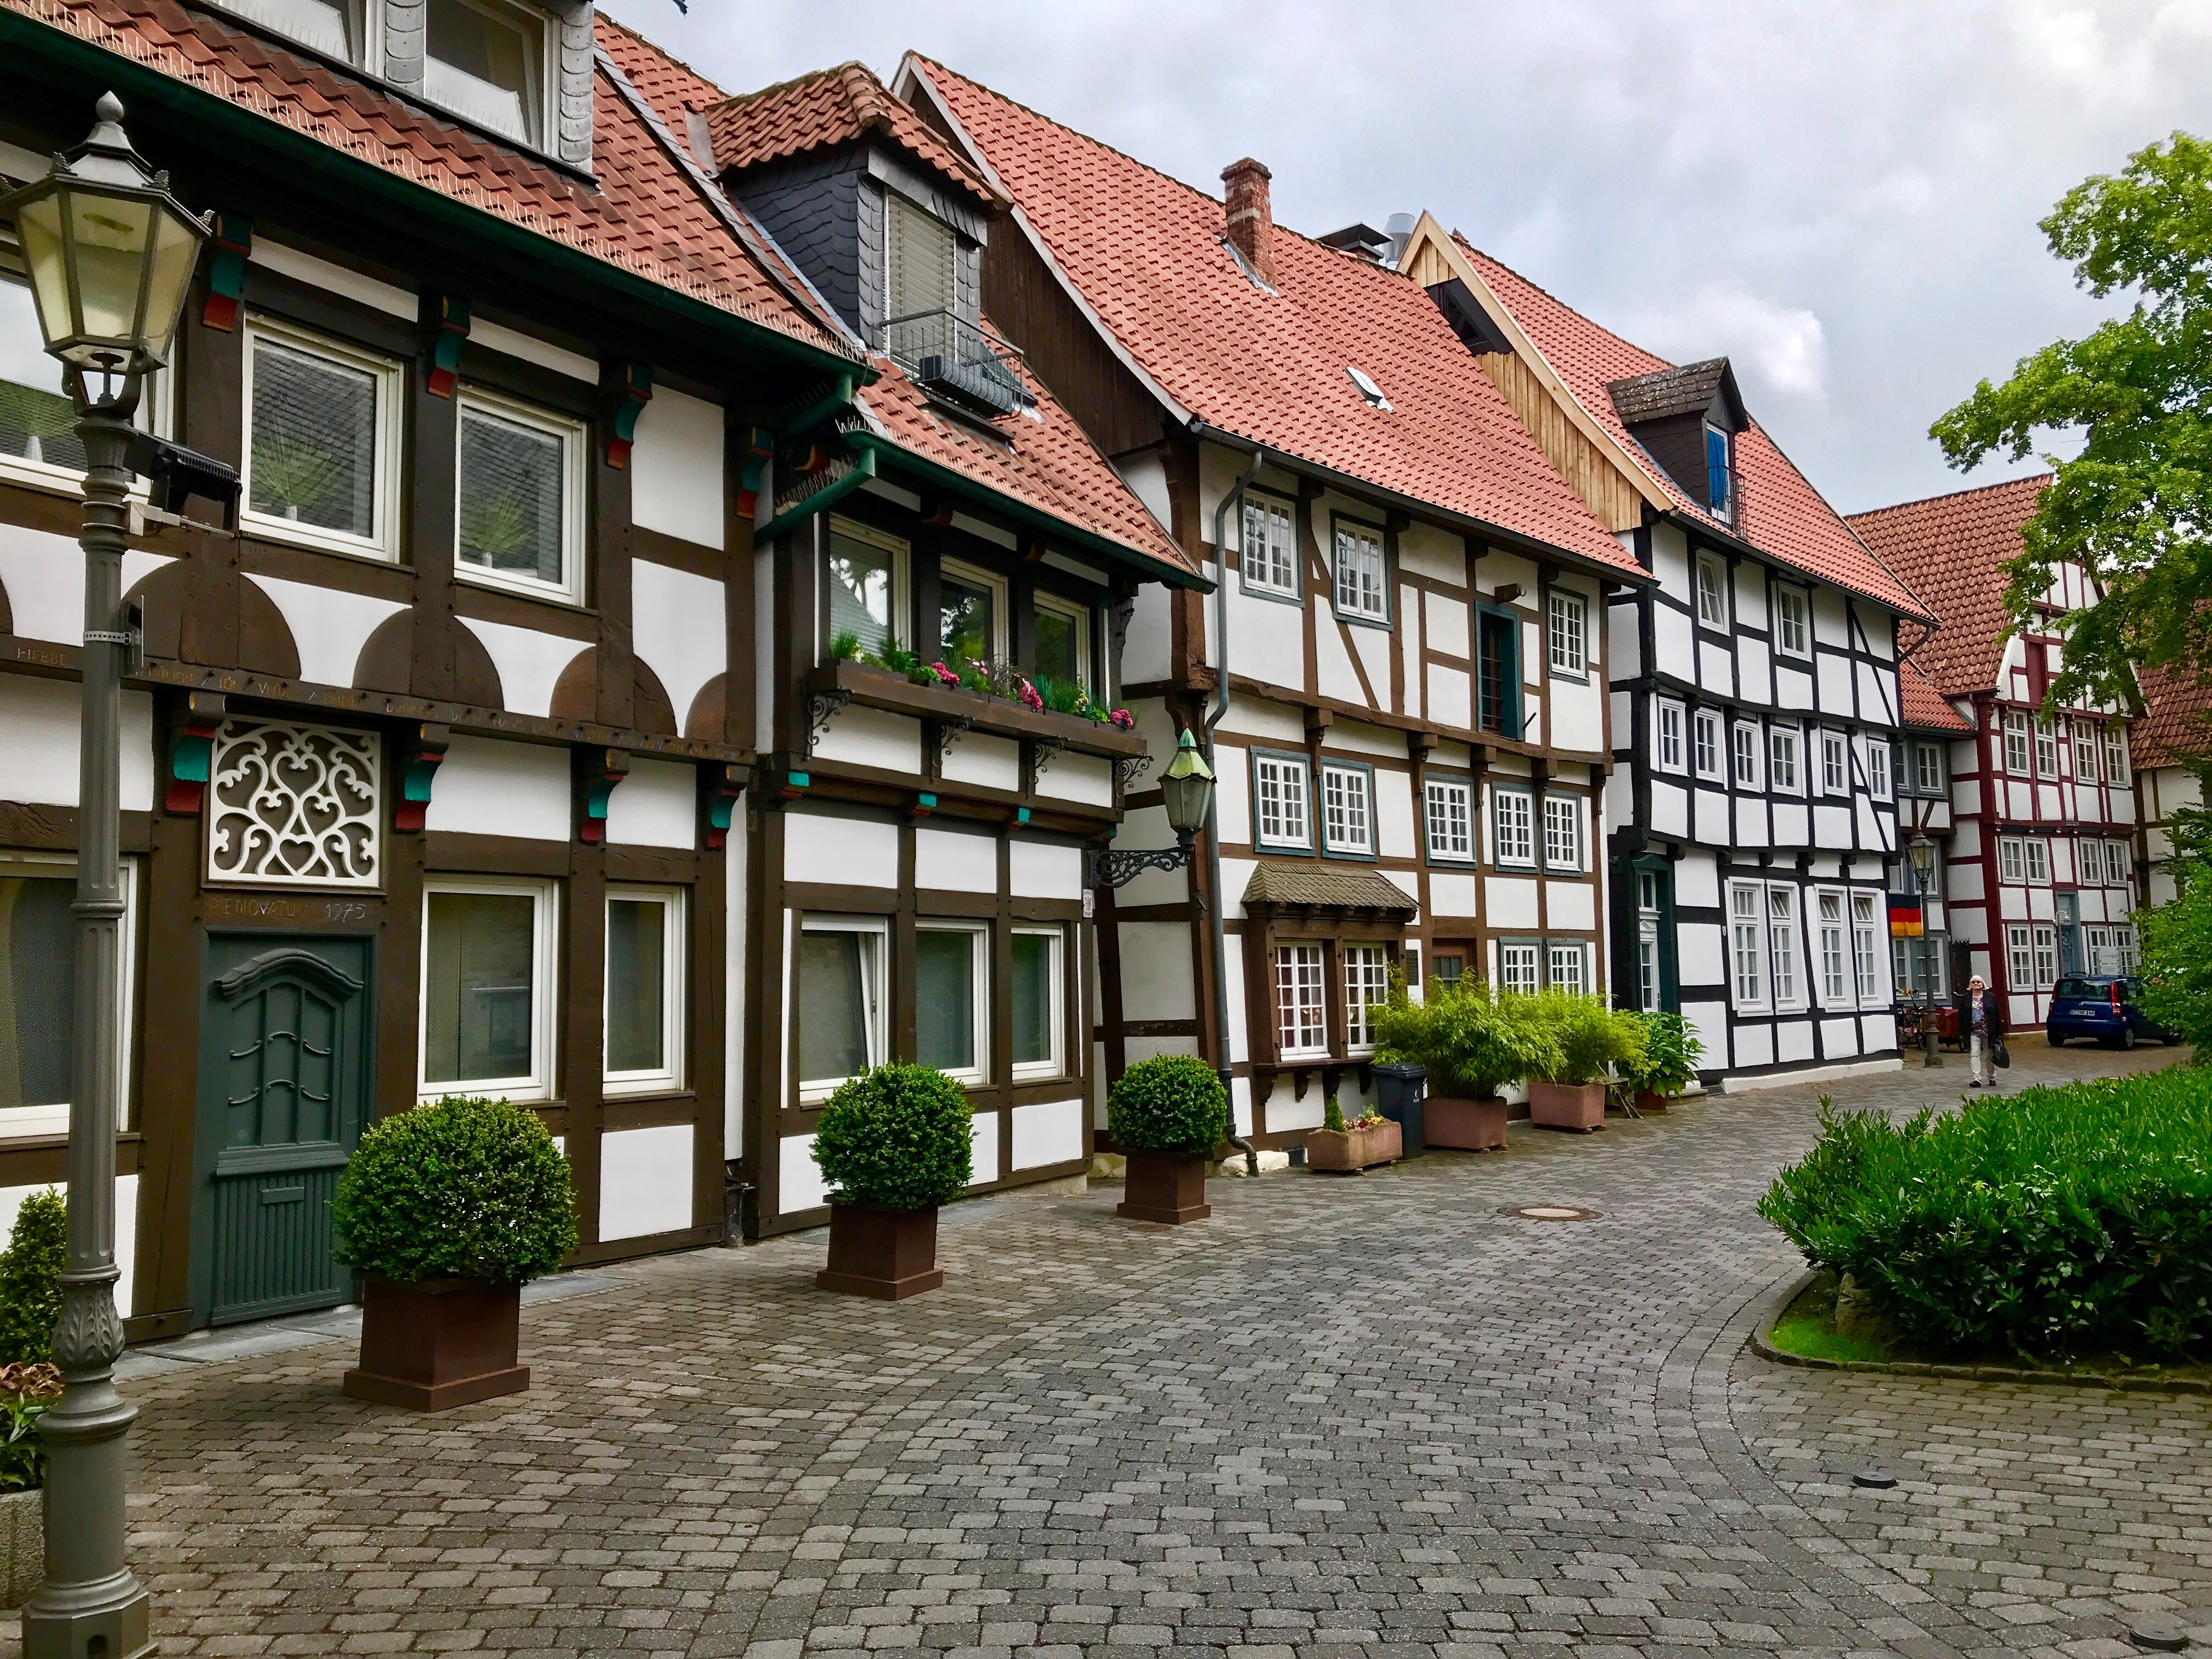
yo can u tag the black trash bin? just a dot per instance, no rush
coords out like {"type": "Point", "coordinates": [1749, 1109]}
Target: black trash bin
{"type": "Point", "coordinates": [1398, 1093]}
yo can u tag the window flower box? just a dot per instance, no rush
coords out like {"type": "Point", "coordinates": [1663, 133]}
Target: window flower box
{"type": "Point", "coordinates": [1350, 1150]}
{"type": "Point", "coordinates": [871, 687]}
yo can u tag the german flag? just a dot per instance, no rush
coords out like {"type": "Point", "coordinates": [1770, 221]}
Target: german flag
{"type": "Point", "coordinates": [1905, 915]}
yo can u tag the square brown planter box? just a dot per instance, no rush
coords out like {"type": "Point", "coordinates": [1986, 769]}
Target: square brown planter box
{"type": "Point", "coordinates": [1346, 1149]}
{"type": "Point", "coordinates": [890, 1255]}
{"type": "Point", "coordinates": [1473, 1125]}
{"type": "Point", "coordinates": [1165, 1187]}
{"type": "Point", "coordinates": [437, 1343]}
{"type": "Point", "coordinates": [1577, 1106]}
{"type": "Point", "coordinates": [1648, 1101]}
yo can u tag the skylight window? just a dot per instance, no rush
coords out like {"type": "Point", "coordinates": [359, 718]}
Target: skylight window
{"type": "Point", "coordinates": [1367, 389]}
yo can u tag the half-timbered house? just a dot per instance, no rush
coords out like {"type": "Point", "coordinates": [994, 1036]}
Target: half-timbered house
{"type": "Point", "coordinates": [1924, 964]}
{"type": "Point", "coordinates": [2041, 879]}
{"type": "Point", "coordinates": [1754, 682]}
{"type": "Point", "coordinates": [1404, 672]}
{"type": "Point", "coordinates": [2171, 743]}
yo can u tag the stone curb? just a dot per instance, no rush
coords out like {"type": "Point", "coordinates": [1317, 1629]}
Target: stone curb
{"type": "Point", "coordinates": [1790, 1287]}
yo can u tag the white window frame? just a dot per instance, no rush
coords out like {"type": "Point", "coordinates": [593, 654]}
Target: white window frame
{"type": "Point", "coordinates": [382, 544]}
{"type": "Point", "coordinates": [1563, 833]}
{"type": "Point", "coordinates": [1793, 614]}
{"type": "Point", "coordinates": [978, 969]}
{"type": "Point", "coordinates": [1347, 792]}
{"type": "Point", "coordinates": [2011, 862]}
{"type": "Point", "coordinates": [1566, 632]}
{"type": "Point", "coordinates": [1280, 559]}
{"type": "Point", "coordinates": [52, 1117]}
{"type": "Point", "coordinates": [1038, 1071]}
{"type": "Point", "coordinates": [2045, 936]}
{"type": "Point", "coordinates": [1835, 763]}
{"type": "Point", "coordinates": [575, 449]}
{"type": "Point", "coordinates": [1673, 757]}
{"type": "Point", "coordinates": [1080, 614]}
{"type": "Point", "coordinates": [1866, 952]}
{"type": "Point", "coordinates": [1517, 849]}
{"type": "Point", "coordinates": [1521, 965]}
{"type": "Point", "coordinates": [1367, 970]}
{"type": "Point", "coordinates": [546, 991]}
{"type": "Point", "coordinates": [1747, 946]}
{"type": "Point", "coordinates": [662, 1079]}
{"type": "Point", "coordinates": [1923, 754]}
{"type": "Point", "coordinates": [2047, 746]}
{"type": "Point", "coordinates": [901, 554]}
{"type": "Point", "coordinates": [538, 121]}
{"type": "Point", "coordinates": [1707, 723]}
{"type": "Point", "coordinates": [1834, 953]}
{"type": "Point", "coordinates": [156, 405]}
{"type": "Point", "coordinates": [2019, 956]}
{"type": "Point", "coordinates": [366, 18]}
{"type": "Point", "coordinates": [1448, 819]}
{"type": "Point", "coordinates": [1348, 575]}
{"type": "Point", "coordinates": [1557, 954]}
{"type": "Point", "coordinates": [1785, 926]}
{"type": "Point", "coordinates": [1285, 766]}
{"type": "Point", "coordinates": [1714, 614]}
{"type": "Point", "coordinates": [2116, 754]}
{"type": "Point", "coordinates": [1784, 753]}
{"type": "Point", "coordinates": [1745, 745]}
{"type": "Point", "coordinates": [1878, 760]}
{"type": "Point", "coordinates": [2084, 751]}
{"type": "Point", "coordinates": [2035, 853]}
{"type": "Point", "coordinates": [2119, 864]}
{"type": "Point", "coordinates": [992, 583]}
{"type": "Point", "coordinates": [875, 975]}
{"type": "Point", "coordinates": [2018, 752]}
{"type": "Point", "coordinates": [1298, 955]}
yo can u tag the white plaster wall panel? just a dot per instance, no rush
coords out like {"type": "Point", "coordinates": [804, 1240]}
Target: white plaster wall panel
{"type": "Point", "coordinates": [1232, 963]}
{"type": "Point", "coordinates": [1447, 621]}
{"type": "Point", "coordinates": [1833, 826]}
{"type": "Point", "coordinates": [490, 787]}
{"type": "Point", "coordinates": [676, 468]}
{"type": "Point", "coordinates": [2062, 861]}
{"type": "Point", "coordinates": [338, 279]}
{"type": "Point", "coordinates": [2046, 801]}
{"type": "Point", "coordinates": [2040, 907]}
{"type": "Point", "coordinates": [532, 350]}
{"type": "Point", "coordinates": [1670, 561]}
{"type": "Point", "coordinates": [1356, 739]}
{"type": "Point", "coordinates": [1449, 895]}
{"type": "Point", "coordinates": [1158, 727]}
{"type": "Point", "coordinates": [1700, 952]}
{"type": "Point", "coordinates": [1451, 698]}
{"type": "Point", "coordinates": [1880, 1031]}
{"type": "Point", "coordinates": [840, 852]}
{"type": "Point", "coordinates": [1620, 797]}
{"type": "Point", "coordinates": [2020, 800]}
{"type": "Point", "coordinates": [1793, 687]}
{"type": "Point", "coordinates": [1966, 840]}
{"type": "Point", "coordinates": [1874, 629]}
{"type": "Point", "coordinates": [2021, 1010]}
{"type": "Point", "coordinates": [873, 737]}
{"type": "Point", "coordinates": [645, 1180]}
{"type": "Point", "coordinates": [1285, 1111]}
{"type": "Point", "coordinates": [2092, 904]}
{"type": "Point", "coordinates": [1532, 714]}
{"type": "Point", "coordinates": [983, 1148]}
{"type": "Point", "coordinates": [38, 752]}
{"type": "Point", "coordinates": [1395, 817]}
{"type": "Point", "coordinates": [1670, 805]}
{"type": "Point", "coordinates": [2011, 903]}
{"type": "Point", "coordinates": [736, 861]}
{"type": "Point", "coordinates": [1751, 822]}
{"type": "Point", "coordinates": [1708, 1022]}
{"type": "Point", "coordinates": [1083, 778]}
{"type": "Point", "coordinates": [44, 576]}
{"type": "Point", "coordinates": [992, 762]}
{"type": "Point", "coordinates": [1831, 618]}
{"type": "Point", "coordinates": [1375, 645]}
{"type": "Point", "coordinates": [953, 861]}
{"type": "Point", "coordinates": [1268, 634]}
{"type": "Point", "coordinates": [1972, 926]}
{"type": "Point", "coordinates": [1151, 635]}
{"type": "Point", "coordinates": [1156, 971]}
{"type": "Point", "coordinates": [1570, 904]}
{"type": "Point", "coordinates": [1236, 876]}
{"type": "Point", "coordinates": [1712, 817]}
{"type": "Point", "coordinates": [1146, 477]}
{"type": "Point", "coordinates": [328, 626]}
{"type": "Point", "coordinates": [1510, 901]}
{"type": "Point", "coordinates": [1698, 881]}
{"type": "Point", "coordinates": [1751, 595]}
{"type": "Point", "coordinates": [1835, 674]}
{"type": "Point", "coordinates": [126, 1230]}
{"type": "Point", "coordinates": [1232, 795]}
{"type": "Point", "coordinates": [1754, 1045]}
{"type": "Point", "coordinates": [1624, 647]}
{"type": "Point", "coordinates": [1716, 668]}
{"type": "Point", "coordinates": [1333, 669]}
{"type": "Point", "coordinates": [656, 805]}
{"type": "Point", "coordinates": [529, 662]}
{"type": "Point", "coordinates": [678, 624]}
{"type": "Point", "coordinates": [1792, 824]}
{"type": "Point", "coordinates": [1048, 1132]}
{"type": "Point", "coordinates": [1240, 1099]}
{"type": "Point", "coordinates": [1793, 1040]}
{"type": "Point", "coordinates": [1268, 723]}
{"type": "Point", "coordinates": [1755, 670]}
{"type": "Point", "coordinates": [1578, 715]}
{"type": "Point", "coordinates": [1423, 550]}
{"type": "Point", "coordinates": [1145, 1047]}
{"type": "Point", "coordinates": [799, 1183]}
{"type": "Point", "coordinates": [1147, 828]}
{"type": "Point", "coordinates": [1044, 869]}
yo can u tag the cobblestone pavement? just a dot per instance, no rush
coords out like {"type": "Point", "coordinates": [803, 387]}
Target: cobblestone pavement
{"type": "Point", "coordinates": [1371, 1415]}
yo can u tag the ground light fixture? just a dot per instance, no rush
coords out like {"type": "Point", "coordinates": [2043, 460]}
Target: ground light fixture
{"type": "Point", "coordinates": [1187, 791]}
{"type": "Point", "coordinates": [111, 254]}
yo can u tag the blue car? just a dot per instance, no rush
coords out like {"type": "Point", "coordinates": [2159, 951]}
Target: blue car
{"type": "Point", "coordinates": [2106, 1006]}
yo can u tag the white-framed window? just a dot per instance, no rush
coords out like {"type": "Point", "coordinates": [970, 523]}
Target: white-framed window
{"type": "Point", "coordinates": [1647, 941]}
{"type": "Point", "coordinates": [1878, 764]}
{"type": "Point", "coordinates": [1782, 938]}
{"type": "Point", "coordinates": [2084, 751]}
{"type": "Point", "coordinates": [37, 989]}
{"type": "Point", "coordinates": [1835, 763]}
{"type": "Point", "coordinates": [2019, 956]}
{"type": "Point", "coordinates": [1512, 828]}
{"type": "Point", "coordinates": [1449, 806]}
{"type": "Point", "coordinates": [2047, 746]}
{"type": "Point", "coordinates": [1362, 585]}
{"type": "Point", "coordinates": [489, 62]}
{"type": "Point", "coordinates": [1037, 1007]}
{"type": "Point", "coordinates": [1669, 715]}
{"type": "Point", "coordinates": [1746, 739]}
{"type": "Point", "coordinates": [1060, 641]}
{"type": "Point", "coordinates": [1782, 751]}
{"type": "Point", "coordinates": [1300, 1022]}
{"type": "Point", "coordinates": [2010, 865]}
{"type": "Point", "coordinates": [2036, 853]}
{"type": "Point", "coordinates": [1705, 730]}
{"type": "Point", "coordinates": [839, 999]}
{"type": "Point", "coordinates": [1747, 944]}
{"type": "Point", "coordinates": [2116, 754]}
{"type": "Point", "coordinates": [1928, 767]}
{"type": "Point", "coordinates": [920, 252]}
{"type": "Point", "coordinates": [1521, 968]}
{"type": "Point", "coordinates": [1278, 791]}
{"type": "Point", "coordinates": [1712, 591]}
{"type": "Point", "coordinates": [2118, 863]}
{"type": "Point", "coordinates": [865, 575]}
{"type": "Point", "coordinates": [1347, 809]}
{"type": "Point", "coordinates": [2046, 956]}
{"type": "Point", "coordinates": [337, 28]}
{"type": "Point", "coordinates": [1366, 986]}
{"type": "Point", "coordinates": [2015, 743]}
{"type": "Point", "coordinates": [322, 442]}
{"type": "Point", "coordinates": [1568, 629]}
{"type": "Point", "coordinates": [643, 1033]}
{"type": "Point", "coordinates": [39, 445]}
{"type": "Point", "coordinates": [1269, 559]}
{"type": "Point", "coordinates": [1563, 832]}
{"type": "Point", "coordinates": [1865, 954]}
{"type": "Point", "coordinates": [490, 987]}
{"type": "Point", "coordinates": [518, 497]}
{"type": "Point", "coordinates": [952, 998]}
{"type": "Point", "coordinates": [1567, 966]}
{"type": "Point", "coordinates": [971, 613]}
{"type": "Point", "coordinates": [1834, 988]}
{"type": "Point", "coordinates": [1792, 623]}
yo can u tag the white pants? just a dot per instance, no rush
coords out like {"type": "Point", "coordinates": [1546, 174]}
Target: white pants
{"type": "Point", "coordinates": [1978, 1067]}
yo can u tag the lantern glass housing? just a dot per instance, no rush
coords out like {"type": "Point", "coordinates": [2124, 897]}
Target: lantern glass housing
{"type": "Point", "coordinates": [1186, 787]}
{"type": "Point", "coordinates": [1922, 851]}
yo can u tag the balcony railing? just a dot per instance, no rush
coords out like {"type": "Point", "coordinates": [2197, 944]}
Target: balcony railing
{"type": "Point", "coordinates": [958, 361]}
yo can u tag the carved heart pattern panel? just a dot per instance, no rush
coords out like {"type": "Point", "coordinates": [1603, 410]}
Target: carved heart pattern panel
{"type": "Point", "coordinates": [294, 805]}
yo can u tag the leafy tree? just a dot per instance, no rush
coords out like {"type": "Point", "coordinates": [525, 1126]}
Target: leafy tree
{"type": "Point", "coordinates": [31, 1279]}
{"type": "Point", "coordinates": [2135, 508]}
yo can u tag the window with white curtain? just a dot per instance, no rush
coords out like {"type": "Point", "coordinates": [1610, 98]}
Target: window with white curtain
{"type": "Point", "coordinates": [1269, 557]}
{"type": "Point", "coordinates": [1280, 802]}
{"type": "Point", "coordinates": [1301, 1021]}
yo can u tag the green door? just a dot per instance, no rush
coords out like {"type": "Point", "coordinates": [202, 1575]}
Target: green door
{"type": "Point", "coordinates": [284, 1070]}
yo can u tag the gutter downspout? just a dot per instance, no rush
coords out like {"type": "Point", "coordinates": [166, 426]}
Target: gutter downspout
{"type": "Point", "coordinates": [1234, 498]}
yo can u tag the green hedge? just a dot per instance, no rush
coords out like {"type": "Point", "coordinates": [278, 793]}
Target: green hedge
{"type": "Point", "coordinates": [1171, 1103]}
{"type": "Point", "coordinates": [899, 1136]}
{"type": "Point", "coordinates": [2057, 1221]}
{"type": "Point", "coordinates": [31, 1279]}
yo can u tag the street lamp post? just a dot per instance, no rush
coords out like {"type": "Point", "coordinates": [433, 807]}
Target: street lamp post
{"type": "Point", "coordinates": [1922, 851]}
{"type": "Point", "coordinates": [111, 255]}
{"type": "Point", "coordinates": [1187, 791]}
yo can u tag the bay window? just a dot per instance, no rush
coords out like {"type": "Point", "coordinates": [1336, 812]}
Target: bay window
{"type": "Point", "coordinates": [337, 28]}
{"type": "Point", "coordinates": [489, 975]}
{"type": "Point", "coordinates": [1301, 1022]}
{"type": "Point", "coordinates": [1366, 986]}
{"type": "Point", "coordinates": [486, 62]}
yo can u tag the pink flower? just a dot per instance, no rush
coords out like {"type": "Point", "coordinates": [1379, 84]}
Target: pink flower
{"type": "Point", "coordinates": [1122, 719]}
{"type": "Point", "coordinates": [1030, 699]}
{"type": "Point", "coordinates": [944, 676]}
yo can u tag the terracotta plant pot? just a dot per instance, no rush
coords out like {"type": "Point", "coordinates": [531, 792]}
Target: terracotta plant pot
{"type": "Point", "coordinates": [1577, 1106]}
{"type": "Point", "coordinates": [1648, 1101]}
{"type": "Point", "coordinates": [1474, 1124]}
{"type": "Point", "coordinates": [1344, 1149]}
{"type": "Point", "coordinates": [1165, 1187]}
{"type": "Point", "coordinates": [22, 1545]}
{"type": "Point", "coordinates": [890, 1255]}
{"type": "Point", "coordinates": [437, 1343]}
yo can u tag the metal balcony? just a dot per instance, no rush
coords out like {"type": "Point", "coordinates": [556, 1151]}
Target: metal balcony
{"type": "Point", "coordinates": [958, 361]}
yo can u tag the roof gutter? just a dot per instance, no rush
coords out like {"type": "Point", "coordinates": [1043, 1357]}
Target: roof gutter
{"type": "Point", "coordinates": [217, 119]}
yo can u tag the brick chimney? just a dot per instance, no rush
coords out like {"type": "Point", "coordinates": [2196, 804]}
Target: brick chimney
{"type": "Point", "coordinates": [1250, 223]}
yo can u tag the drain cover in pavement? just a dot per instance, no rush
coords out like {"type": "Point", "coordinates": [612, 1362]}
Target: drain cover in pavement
{"type": "Point", "coordinates": [2159, 1633]}
{"type": "Point", "coordinates": [1548, 1212]}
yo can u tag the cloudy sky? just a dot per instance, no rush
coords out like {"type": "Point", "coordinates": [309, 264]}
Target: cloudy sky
{"type": "Point", "coordinates": [1841, 197]}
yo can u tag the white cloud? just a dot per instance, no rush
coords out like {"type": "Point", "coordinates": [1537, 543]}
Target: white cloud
{"type": "Point", "coordinates": [1779, 347]}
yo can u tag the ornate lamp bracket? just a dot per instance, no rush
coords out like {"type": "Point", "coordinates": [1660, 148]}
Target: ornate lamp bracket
{"type": "Point", "coordinates": [1104, 866]}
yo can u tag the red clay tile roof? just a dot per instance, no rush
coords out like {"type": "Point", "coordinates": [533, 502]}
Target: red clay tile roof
{"type": "Point", "coordinates": [1146, 254]}
{"type": "Point", "coordinates": [1950, 548]}
{"type": "Point", "coordinates": [829, 107]}
{"type": "Point", "coordinates": [1922, 705]}
{"type": "Point", "coordinates": [646, 216]}
{"type": "Point", "coordinates": [2175, 727]}
{"type": "Point", "coordinates": [1781, 514]}
{"type": "Point", "coordinates": [670, 85]}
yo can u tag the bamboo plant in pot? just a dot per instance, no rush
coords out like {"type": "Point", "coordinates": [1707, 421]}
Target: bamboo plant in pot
{"type": "Point", "coordinates": [1668, 1064]}
{"type": "Point", "coordinates": [30, 1302]}
{"type": "Point", "coordinates": [1592, 1040]}
{"type": "Point", "coordinates": [893, 1145]}
{"type": "Point", "coordinates": [448, 1210]}
{"type": "Point", "coordinates": [1471, 1043]}
{"type": "Point", "coordinates": [1168, 1114]}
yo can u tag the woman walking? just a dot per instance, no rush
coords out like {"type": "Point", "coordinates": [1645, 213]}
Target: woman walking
{"type": "Point", "coordinates": [1984, 1020]}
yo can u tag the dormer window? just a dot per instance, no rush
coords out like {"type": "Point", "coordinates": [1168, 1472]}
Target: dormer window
{"type": "Point", "coordinates": [1720, 474]}
{"type": "Point", "coordinates": [922, 249]}
{"type": "Point", "coordinates": [1686, 420]}
{"type": "Point", "coordinates": [334, 27]}
{"type": "Point", "coordinates": [485, 61]}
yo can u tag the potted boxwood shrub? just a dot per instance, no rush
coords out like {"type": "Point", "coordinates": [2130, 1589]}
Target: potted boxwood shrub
{"type": "Point", "coordinates": [30, 1302]}
{"type": "Point", "coordinates": [1167, 1113]}
{"type": "Point", "coordinates": [1471, 1043]}
{"type": "Point", "coordinates": [1348, 1148]}
{"type": "Point", "coordinates": [893, 1144]}
{"type": "Point", "coordinates": [1668, 1064]}
{"type": "Point", "coordinates": [1592, 1039]}
{"type": "Point", "coordinates": [448, 1210]}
